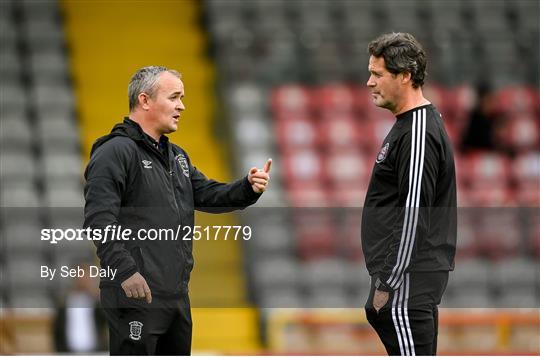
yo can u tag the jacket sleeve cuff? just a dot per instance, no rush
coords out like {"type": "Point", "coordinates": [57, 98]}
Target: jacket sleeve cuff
{"type": "Point", "coordinates": [122, 276]}
{"type": "Point", "coordinates": [381, 285]}
{"type": "Point", "coordinates": [250, 194]}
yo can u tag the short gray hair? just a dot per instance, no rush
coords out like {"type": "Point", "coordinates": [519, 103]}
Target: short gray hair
{"type": "Point", "coordinates": [146, 80]}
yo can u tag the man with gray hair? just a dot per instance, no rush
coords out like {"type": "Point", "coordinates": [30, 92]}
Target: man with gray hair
{"type": "Point", "coordinates": [409, 215]}
{"type": "Point", "coordinates": [137, 180]}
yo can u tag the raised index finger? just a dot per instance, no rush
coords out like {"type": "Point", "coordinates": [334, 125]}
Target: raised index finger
{"type": "Point", "coordinates": [267, 166]}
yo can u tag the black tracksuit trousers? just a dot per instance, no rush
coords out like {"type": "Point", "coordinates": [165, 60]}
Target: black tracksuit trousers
{"type": "Point", "coordinates": [408, 324]}
{"type": "Point", "coordinates": [163, 327]}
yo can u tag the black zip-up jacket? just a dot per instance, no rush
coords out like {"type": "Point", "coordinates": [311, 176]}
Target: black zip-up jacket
{"type": "Point", "coordinates": [409, 216]}
{"type": "Point", "coordinates": [131, 183]}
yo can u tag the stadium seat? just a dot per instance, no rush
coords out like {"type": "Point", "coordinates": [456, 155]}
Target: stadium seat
{"type": "Point", "coordinates": [516, 100]}
{"type": "Point", "coordinates": [247, 98]}
{"type": "Point", "coordinates": [358, 278]}
{"type": "Point", "coordinates": [21, 237]}
{"type": "Point", "coordinates": [58, 133]}
{"type": "Point", "coordinates": [327, 298]}
{"type": "Point", "coordinates": [347, 167]}
{"type": "Point", "coordinates": [350, 224]}
{"type": "Point", "coordinates": [521, 133]}
{"type": "Point", "coordinates": [49, 67]}
{"type": "Point", "coordinates": [324, 273]}
{"type": "Point", "coordinates": [17, 166]}
{"type": "Point", "coordinates": [308, 195]}
{"type": "Point", "coordinates": [15, 133]}
{"type": "Point", "coordinates": [296, 132]}
{"type": "Point", "coordinates": [498, 232]}
{"type": "Point", "coordinates": [468, 246]}
{"type": "Point", "coordinates": [351, 195]}
{"type": "Point", "coordinates": [14, 97]}
{"type": "Point", "coordinates": [533, 232]}
{"type": "Point", "coordinates": [487, 168]}
{"type": "Point", "coordinates": [516, 280]}
{"type": "Point", "coordinates": [291, 100]}
{"type": "Point", "coordinates": [277, 297]}
{"type": "Point", "coordinates": [52, 97]}
{"type": "Point", "coordinates": [277, 271]}
{"type": "Point", "coordinates": [23, 271]}
{"type": "Point", "coordinates": [471, 275]}
{"type": "Point", "coordinates": [253, 133]}
{"type": "Point", "coordinates": [66, 195]}
{"type": "Point", "coordinates": [29, 302]}
{"type": "Point", "coordinates": [62, 165]}
{"type": "Point", "coordinates": [339, 132]}
{"type": "Point", "coordinates": [302, 166]}
{"type": "Point", "coordinates": [272, 236]}
{"type": "Point", "coordinates": [316, 234]}
{"type": "Point", "coordinates": [333, 100]}
{"type": "Point", "coordinates": [526, 173]}
{"type": "Point", "coordinates": [10, 64]}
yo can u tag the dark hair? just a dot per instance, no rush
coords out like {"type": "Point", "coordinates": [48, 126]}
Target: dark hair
{"type": "Point", "coordinates": [401, 53]}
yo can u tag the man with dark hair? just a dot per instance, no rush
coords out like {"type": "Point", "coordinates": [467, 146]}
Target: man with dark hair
{"type": "Point", "coordinates": [137, 180]}
{"type": "Point", "coordinates": [409, 216]}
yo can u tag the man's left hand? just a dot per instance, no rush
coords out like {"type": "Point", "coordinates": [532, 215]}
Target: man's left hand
{"type": "Point", "coordinates": [380, 298]}
{"type": "Point", "coordinates": [259, 178]}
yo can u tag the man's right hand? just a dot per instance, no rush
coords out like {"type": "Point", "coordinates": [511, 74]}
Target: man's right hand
{"type": "Point", "coordinates": [136, 287]}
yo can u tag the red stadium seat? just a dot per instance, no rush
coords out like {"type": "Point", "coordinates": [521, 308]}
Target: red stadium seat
{"type": "Point", "coordinates": [346, 167]}
{"type": "Point", "coordinates": [291, 99]}
{"type": "Point", "coordinates": [302, 166]}
{"type": "Point", "coordinates": [316, 233]}
{"type": "Point", "coordinates": [487, 169]}
{"type": "Point", "coordinates": [526, 168]}
{"type": "Point", "coordinates": [491, 196]}
{"type": "Point", "coordinates": [467, 244]}
{"type": "Point", "coordinates": [339, 131]}
{"type": "Point", "coordinates": [352, 195]}
{"type": "Point", "coordinates": [487, 176]}
{"type": "Point", "coordinates": [517, 100]}
{"type": "Point", "coordinates": [533, 232]}
{"type": "Point", "coordinates": [334, 99]}
{"type": "Point", "coordinates": [351, 227]}
{"type": "Point", "coordinates": [308, 195]}
{"type": "Point", "coordinates": [521, 132]}
{"type": "Point", "coordinates": [498, 232]}
{"type": "Point", "coordinates": [526, 173]}
{"type": "Point", "coordinates": [295, 132]}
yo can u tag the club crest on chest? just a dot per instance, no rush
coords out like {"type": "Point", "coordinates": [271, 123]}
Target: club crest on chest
{"type": "Point", "coordinates": [182, 161]}
{"type": "Point", "coordinates": [381, 156]}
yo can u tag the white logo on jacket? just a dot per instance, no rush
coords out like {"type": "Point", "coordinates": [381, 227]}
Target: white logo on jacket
{"type": "Point", "coordinates": [181, 159]}
{"type": "Point", "coordinates": [147, 164]}
{"type": "Point", "coordinates": [383, 153]}
{"type": "Point", "coordinates": [135, 330]}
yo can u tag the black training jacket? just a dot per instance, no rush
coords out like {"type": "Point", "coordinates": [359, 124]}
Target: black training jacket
{"type": "Point", "coordinates": [409, 216]}
{"type": "Point", "coordinates": [130, 183]}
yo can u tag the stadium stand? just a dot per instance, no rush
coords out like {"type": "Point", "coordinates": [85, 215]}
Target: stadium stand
{"type": "Point", "coordinates": [299, 70]}
{"type": "Point", "coordinates": [40, 157]}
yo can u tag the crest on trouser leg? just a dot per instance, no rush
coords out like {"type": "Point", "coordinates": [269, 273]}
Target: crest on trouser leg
{"type": "Point", "coordinates": [135, 330]}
